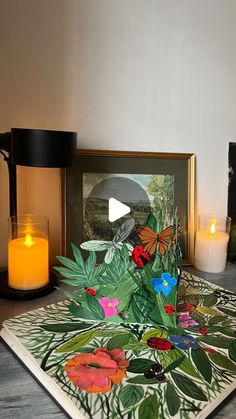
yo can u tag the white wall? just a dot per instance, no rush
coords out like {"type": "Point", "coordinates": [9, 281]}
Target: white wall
{"type": "Point", "coordinates": [155, 75]}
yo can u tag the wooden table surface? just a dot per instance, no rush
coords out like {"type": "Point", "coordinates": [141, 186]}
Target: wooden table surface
{"type": "Point", "coordinates": [21, 397]}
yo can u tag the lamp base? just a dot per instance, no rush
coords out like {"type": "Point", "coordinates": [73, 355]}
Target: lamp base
{"type": "Point", "coordinates": [13, 294]}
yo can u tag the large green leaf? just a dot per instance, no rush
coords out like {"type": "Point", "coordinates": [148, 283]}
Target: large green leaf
{"type": "Point", "coordinates": [78, 341]}
{"type": "Point", "coordinates": [140, 379]}
{"type": "Point", "coordinates": [118, 341]}
{"type": "Point", "coordinates": [188, 387]}
{"type": "Point", "coordinates": [172, 399]}
{"type": "Point", "coordinates": [175, 354]}
{"type": "Point", "coordinates": [90, 262]}
{"type": "Point", "coordinates": [151, 221]}
{"type": "Point", "coordinates": [210, 300]}
{"type": "Point", "coordinates": [218, 341]}
{"type": "Point", "coordinates": [77, 255]}
{"type": "Point", "coordinates": [201, 361]}
{"type": "Point", "coordinates": [160, 333]}
{"type": "Point", "coordinates": [65, 327]}
{"type": "Point", "coordinates": [208, 311]}
{"type": "Point", "coordinates": [94, 307]}
{"type": "Point", "coordinates": [68, 263]}
{"type": "Point", "coordinates": [174, 364]}
{"type": "Point", "coordinates": [81, 312]}
{"type": "Point", "coordinates": [223, 361]}
{"type": "Point", "coordinates": [142, 303]}
{"type": "Point", "coordinates": [130, 395]}
{"type": "Point", "coordinates": [139, 365]}
{"type": "Point", "coordinates": [149, 408]}
{"type": "Point", "coordinates": [232, 350]}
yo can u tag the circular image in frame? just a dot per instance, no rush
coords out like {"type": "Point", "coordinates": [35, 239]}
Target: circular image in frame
{"type": "Point", "coordinates": [96, 224]}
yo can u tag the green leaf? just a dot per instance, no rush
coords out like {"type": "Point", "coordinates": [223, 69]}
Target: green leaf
{"type": "Point", "coordinates": [210, 300]}
{"type": "Point", "coordinates": [186, 365]}
{"type": "Point", "coordinates": [227, 311]}
{"type": "Point", "coordinates": [65, 327]}
{"type": "Point", "coordinates": [118, 341]}
{"type": "Point", "coordinates": [77, 255]}
{"type": "Point", "coordinates": [67, 273]}
{"type": "Point", "coordinates": [96, 245]}
{"type": "Point", "coordinates": [218, 341]}
{"type": "Point", "coordinates": [90, 262]}
{"type": "Point", "coordinates": [140, 379]}
{"type": "Point", "coordinates": [68, 263]}
{"type": "Point", "coordinates": [223, 361]}
{"type": "Point", "coordinates": [216, 319]}
{"type": "Point", "coordinates": [207, 310]}
{"type": "Point", "coordinates": [191, 299]}
{"type": "Point", "coordinates": [149, 408]}
{"type": "Point", "coordinates": [188, 387]}
{"type": "Point", "coordinates": [81, 312]}
{"type": "Point", "coordinates": [78, 341]}
{"type": "Point", "coordinates": [130, 395]}
{"type": "Point", "coordinates": [232, 350]}
{"type": "Point", "coordinates": [201, 361]}
{"type": "Point", "coordinates": [142, 303]}
{"type": "Point", "coordinates": [151, 222]}
{"type": "Point", "coordinates": [172, 399]}
{"type": "Point", "coordinates": [140, 365]}
{"type": "Point", "coordinates": [174, 364]}
{"type": "Point", "coordinates": [94, 307]}
{"type": "Point", "coordinates": [199, 318]}
{"type": "Point", "coordinates": [109, 255]}
{"type": "Point", "coordinates": [160, 333]}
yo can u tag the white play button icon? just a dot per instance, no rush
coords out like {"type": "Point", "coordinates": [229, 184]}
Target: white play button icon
{"type": "Point", "coordinates": [117, 209]}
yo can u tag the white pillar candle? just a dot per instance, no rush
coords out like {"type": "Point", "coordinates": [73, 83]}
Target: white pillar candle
{"type": "Point", "coordinates": [211, 247]}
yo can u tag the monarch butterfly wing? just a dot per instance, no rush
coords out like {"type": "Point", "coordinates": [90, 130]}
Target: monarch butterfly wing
{"type": "Point", "coordinates": [164, 238]}
{"type": "Point", "coordinates": [148, 238]}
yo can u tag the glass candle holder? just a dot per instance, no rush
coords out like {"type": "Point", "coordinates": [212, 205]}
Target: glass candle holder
{"type": "Point", "coordinates": [211, 242]}
{"type": "Point", "coordinates": [28, 259]}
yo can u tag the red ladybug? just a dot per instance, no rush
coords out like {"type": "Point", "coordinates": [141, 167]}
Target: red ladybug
{"type": "Point", "coordinates": [90, 291]}
{"type": "Point", "coordinates": [159, 343]}
{"type": "Point", "coordinates": [140, 257]}
{"type": "Point", "coordinates": [169, 309]}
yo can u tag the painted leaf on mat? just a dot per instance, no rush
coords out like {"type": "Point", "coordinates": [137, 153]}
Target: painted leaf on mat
{"type": "Point", "coordinates": [218, 341]}
{"type": "Point", "coordinates": [78, 341]}
{"type": "Point", "coordinates": [202, 363]}
{"type": "Point", "coordinates": [227, 311]}
{"type": "Point", "coordinates": [65, 327]}
{"type": "Point", "coordinates": [174, 365]}
{"type": "Point", "coordinates": [130, 395]}
{"type": "Point", "coordinates": [172, 399]}
{"type": "Point", "coordinates": [223, 361]}
{"type": "Point", "coordinates": [149, 408]}
{"type": "Point", "coordinates": [232, 350]}
{"type": "Point", "coordinates": [118, 341]}
{"type": "Point", "coordinates": [210, 300]}
{"type": "Point", "coordinates": [160, 333]}
{"type": "Point", "coordinates": [188, 387]}
{"type": "Point", "coordinates": [208, 310]}
{"type": "Point", "coordinates": [94, 307]}
{"type": "Point", "coordinates": [140, 365]}
{"type": "Point", "coordinates": [140, 379]}
{"type": "Point", "coordinates": [81, 312]}
{"type": "Point", "coordinates": [185, 366]}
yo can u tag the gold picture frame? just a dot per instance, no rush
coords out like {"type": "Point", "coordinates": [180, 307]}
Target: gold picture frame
{"type": "Point", "coordinates": [98, 165]}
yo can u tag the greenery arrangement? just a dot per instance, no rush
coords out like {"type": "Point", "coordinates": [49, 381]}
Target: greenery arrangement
{"type": "Point", "coordinates": [138, 279]}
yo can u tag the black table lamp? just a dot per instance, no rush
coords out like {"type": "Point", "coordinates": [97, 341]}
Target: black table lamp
{"type": "Point", "coordinates": [36, 148]}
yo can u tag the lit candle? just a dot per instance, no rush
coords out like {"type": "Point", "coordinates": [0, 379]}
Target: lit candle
{"type": "Point", "coordinates": [28, 262]}
{"type": "Point", "coordinates": [211, 246]}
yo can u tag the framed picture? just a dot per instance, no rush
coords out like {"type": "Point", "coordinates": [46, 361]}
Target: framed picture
{"type": "Point", "coordinates": [142, 181]}
{"type": "Point", "coordinates": [232, 202]}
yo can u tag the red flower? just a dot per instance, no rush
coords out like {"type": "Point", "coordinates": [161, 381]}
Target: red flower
{"type": "Point", "coordinates": [169, 309]}
{"type": "Point", "coordinates": [159, 343]}
{"type": "Point", "coordinates": [203, 331]}
{"type": "Point", "coordinates": [90, 291]}
{"type": "Point", "coordinates": [186, 307]}
{"type": "Point", "coordinates": [140, 257]}
{"type": "Point", "coordinates": [95, 372]}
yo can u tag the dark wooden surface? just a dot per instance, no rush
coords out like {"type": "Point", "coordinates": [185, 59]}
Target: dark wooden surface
{"type": "Point", "coordinates": [21, 397]}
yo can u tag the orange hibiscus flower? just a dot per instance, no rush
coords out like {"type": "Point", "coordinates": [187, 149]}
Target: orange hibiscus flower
{"type": "Point", "coordinates": [95, 372]}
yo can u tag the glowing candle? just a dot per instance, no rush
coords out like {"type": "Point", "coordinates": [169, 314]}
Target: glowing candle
{"type": "Point", "coordinates": [211, 244]}
{"type": "Point", "coordinates": [28, 265]}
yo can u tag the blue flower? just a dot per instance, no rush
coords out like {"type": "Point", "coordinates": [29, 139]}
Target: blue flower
{"type": "Point", "coordinates": [164, 284]}
{"type": "Point", "coordinates": [184, 342]}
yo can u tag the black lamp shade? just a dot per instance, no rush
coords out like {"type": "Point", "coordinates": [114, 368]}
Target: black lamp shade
{"type": "Point", "coordinates": [43, 148]}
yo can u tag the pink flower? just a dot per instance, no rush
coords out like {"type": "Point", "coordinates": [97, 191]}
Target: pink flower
{"type": "Point", "coordinates": [183, 317]}
{"type": "Point", "coordinates": [188, 323]}
{"type": "Point", "coordinates": [109, 305]}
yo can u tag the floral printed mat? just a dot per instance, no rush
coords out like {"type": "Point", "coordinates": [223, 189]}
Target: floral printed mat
{"type": "Point", "coordinates": [132, 370]}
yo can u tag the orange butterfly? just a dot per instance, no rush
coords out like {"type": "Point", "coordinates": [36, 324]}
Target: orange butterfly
{"type": "Point", "coordinates": [150, 239]}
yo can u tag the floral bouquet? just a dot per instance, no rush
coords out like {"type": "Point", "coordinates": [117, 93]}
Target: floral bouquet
{"type": "Point", "coordinates": [137, 281]}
